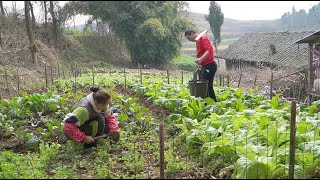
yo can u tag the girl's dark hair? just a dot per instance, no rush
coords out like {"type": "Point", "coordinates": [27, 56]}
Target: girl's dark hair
{"type": "Point", "coordinates": [100, 96]}
{"type": "Point", "coordinates": [189, 32]}
{"type": "Point", "coordinates": [94, 89]}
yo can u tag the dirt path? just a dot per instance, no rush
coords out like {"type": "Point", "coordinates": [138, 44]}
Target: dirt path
{"type": "Point", "coordinates": [154, 110]}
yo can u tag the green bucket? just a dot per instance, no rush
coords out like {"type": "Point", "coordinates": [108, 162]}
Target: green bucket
{"type": "Point", "coordinates": [199, 88]}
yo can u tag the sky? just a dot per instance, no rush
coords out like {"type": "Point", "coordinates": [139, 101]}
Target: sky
{"type": "Point", "coordinates": [239, 10]}
{"type": "Point", "coordinates": [79, 20]}
{"type": "Point", "coordinates": [252, 10]}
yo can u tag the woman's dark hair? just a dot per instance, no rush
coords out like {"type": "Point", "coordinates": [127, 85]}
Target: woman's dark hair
{"type": "Point", "coordinates": [94, 89]}
{"type": "Point", "coordinates": [100, 96]}
{"type": "Point", "coordinates": [188, 32]}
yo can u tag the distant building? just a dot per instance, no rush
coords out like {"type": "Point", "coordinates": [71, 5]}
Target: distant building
{"type": "Point", "coordinates": [270, 49]}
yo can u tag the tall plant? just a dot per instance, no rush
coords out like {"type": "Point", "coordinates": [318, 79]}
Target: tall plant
{"type": "Point", "coordinates": [215, 19]}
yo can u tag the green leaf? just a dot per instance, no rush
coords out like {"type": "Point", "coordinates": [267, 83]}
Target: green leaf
{"type": "Point", "coordinates": [239, 105]}
{"type": "Point", "coordinates": [173, 118]}
{"type": "Point", "coordinates": [275, 101]}
{"type": "Point", "coordinates": [249, 112]}
{"type": "Point", "coordinates": [139, 115]}
{"type": "Point", "coordinates": [244, 151]}
{"type": "Point", "coordinates": [123, 117]}
{"type": "Point", "coordinates": [239, 92]}
{"type": "Point", "coordinates": [253, 169]}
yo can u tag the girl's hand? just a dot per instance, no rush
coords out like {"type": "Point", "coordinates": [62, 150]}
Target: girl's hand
{"type": "Point", "coordinates": [88, 140]}
{"type": "Point", "coordinates": [198, 61]}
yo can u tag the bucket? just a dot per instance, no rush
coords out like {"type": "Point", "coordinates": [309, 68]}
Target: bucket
{"type": "Point", "coordinates": [199, 89]}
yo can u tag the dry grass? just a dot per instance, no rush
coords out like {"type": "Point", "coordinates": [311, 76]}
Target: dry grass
{"type": "Point", "coordinates": [261, 77]}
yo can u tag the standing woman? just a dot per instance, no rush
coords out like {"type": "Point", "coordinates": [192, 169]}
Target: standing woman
{"type": "Point", "coordinates": [91, 117]}
{"type": "Point", "coordinates": [205, 59]}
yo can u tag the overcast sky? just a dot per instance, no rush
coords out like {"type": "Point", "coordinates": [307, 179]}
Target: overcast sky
{"type": "Point", "coordinates": [239, 10]}
{"type": "Point", "coordinates": [252, 10]}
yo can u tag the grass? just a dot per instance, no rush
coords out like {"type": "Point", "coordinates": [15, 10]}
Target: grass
{"type": "Point", "coordinates": [188, 53]}
{"type": "Point", "coordinates": [185, 62]}
{"type": "Point", "coordinates": [187, 45]}
{"type": "Point", "coordinates": [76, 32]}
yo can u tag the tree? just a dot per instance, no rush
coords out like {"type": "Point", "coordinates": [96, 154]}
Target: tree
{"type": "Point", "coordinates": [32, 16]}
{"type": "Point", "coordinates": [215, 19]}
{"type": "Point", "coordinates": [55, 23]}
{"type": "Point", "coordinates": [2, 9]}
{"type": "Point", "coordinates": [150, 29]}
{"type": "Point", "coordinates": [46, 20]}
{"type": "Point", "coordinates": [302, 19]}
{"type": "Point", "coordinates": [284, 21]}
{"type": "Point", "coordinates": [33, 46]}
{"type": "Point", "coordinates": [3, 14]}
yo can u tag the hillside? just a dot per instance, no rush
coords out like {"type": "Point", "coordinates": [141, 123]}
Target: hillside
{"type": "Point", "coordinates": [74, 48]}
{"type": "Point", "coordinates": [232, 28]}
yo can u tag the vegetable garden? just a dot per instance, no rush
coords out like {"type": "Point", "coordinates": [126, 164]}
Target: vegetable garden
{"type": "Point", "coordinates": [243, 136]}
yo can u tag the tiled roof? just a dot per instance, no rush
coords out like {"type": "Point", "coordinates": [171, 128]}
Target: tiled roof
{"type": "Point", "coordinates": [256, 47]}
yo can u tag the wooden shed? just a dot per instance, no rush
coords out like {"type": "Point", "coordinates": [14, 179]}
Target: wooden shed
{"type": "Point", "coordinates": [267, 49]}
{"type": "Point", "coordinates": [311, 40]}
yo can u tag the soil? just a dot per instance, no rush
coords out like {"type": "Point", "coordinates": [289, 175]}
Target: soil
{"type": "Point", "coordinates": [197, 171]}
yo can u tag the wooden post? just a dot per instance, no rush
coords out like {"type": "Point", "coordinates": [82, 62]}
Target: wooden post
{"type": "Point", "coordinates": [6, 76]}
{"type": "Point", "coordinates": [58, 71]}
{"type": "Point", "coordinates": [75, 69]}
{"type": "Point", "coordinates": [182, 77]}
{"type": "Point", "coordinates": [18, 79]}
{"type": "Point", "coordinates": [46, 74]}
{"type": "Point", "coordinates": [161, 138]}
{"type": "Point", "coordinates": [140, 73]}
{"type": "Point", "coordinates": [292, 140]}
{"type": "Point", "coordinates": [75, 77]}
{"type": "Point", "coordinates": [220, 80]}
{"type": "Point", "coordinates": [51, 73]}
{"type": "Point", "coordinates": [168, 76]}
{"type": "Point", "coordinates": [310, 74]}
{"type": "Point", "coordinates": [294, 92]}
{"type": "Point", "coordinates": [223, 80]}
{"type": "Point", "coordinates": [125, 80]}
{"type": "Point", "coordinates": [300, 92]}
{"type": "Point", "coordinates": [271, 85]}
{"type": "Point", "coordinates": [92, 66]}
{"type": "Point", "coordinates": [70, 71]}
{"type": "Point", "coordinates": [228, 80]}
{"type": "Point", "coordinates": [255, 80]}
{"type": "Point", "coordinates": [239, 80]}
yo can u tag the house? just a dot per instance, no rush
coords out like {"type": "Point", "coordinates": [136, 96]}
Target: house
{"type": "Point", "coordinates": [270, 49]}
{"type": "Point", "coordinates": [311, 40]}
